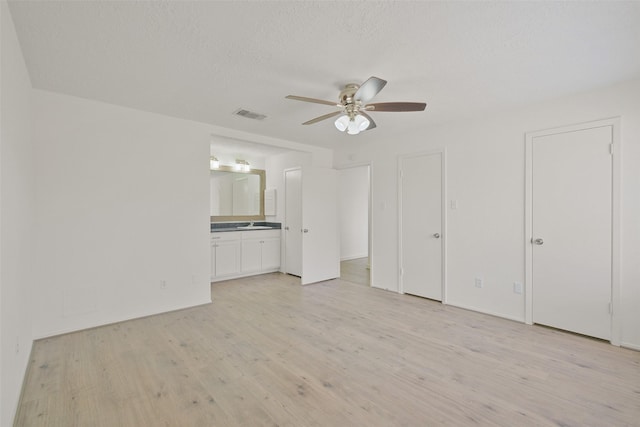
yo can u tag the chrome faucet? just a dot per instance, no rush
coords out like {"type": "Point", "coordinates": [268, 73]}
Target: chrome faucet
{"type": "Point", "coordinates": [250, 223]}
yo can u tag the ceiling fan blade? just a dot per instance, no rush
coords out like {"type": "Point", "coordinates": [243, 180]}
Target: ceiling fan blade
{"type": "Point", "coordinates": [372, 124]}
{"type": "Point", "coordinates": [315, 101]}
{"type": "Point", "coordinates": [396, 106]}
{"type": "Point", "coordinates": [369, 89]}
{"type": "Point", "coordinates": [321, 118]}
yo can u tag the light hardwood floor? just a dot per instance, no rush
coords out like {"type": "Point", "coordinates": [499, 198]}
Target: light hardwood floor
{"type": "Point", "coordinates": [270, 352]}
{"type": "Point", "coordinates": [356, 271]}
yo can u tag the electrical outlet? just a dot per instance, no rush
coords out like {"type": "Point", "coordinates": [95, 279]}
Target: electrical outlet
{"type": "Point", "coordinates": [163, 284]}
{"type": "Point", "coordinates": [517, 287]}
{"type": "Point", "coordinates": [478, 282]}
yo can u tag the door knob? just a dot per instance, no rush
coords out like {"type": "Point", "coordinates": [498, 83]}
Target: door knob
{"type": "Point", "coordinates": [286, 228]}
{"type": "Point", "coordinates": [305, 230]}
{"type": "Point", "coordinates": [537, 241]}
{"type": "Point", "coordinates": [436, 235]}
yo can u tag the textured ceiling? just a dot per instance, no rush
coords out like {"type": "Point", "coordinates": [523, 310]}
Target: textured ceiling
{"type": "Point", "coordinates": [204, 60]}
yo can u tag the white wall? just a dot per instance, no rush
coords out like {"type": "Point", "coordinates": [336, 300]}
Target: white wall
{"type": "Point", "coordinates": [485, 161]}
{"type": "Point", "coordinates": [353, 212]}
{"type": "Point", "coordinates": [123, 204]}
{"type": "Point", "coordinates": [17, 219]}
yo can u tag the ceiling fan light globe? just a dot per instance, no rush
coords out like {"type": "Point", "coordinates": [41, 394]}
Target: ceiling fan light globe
{"type": "Point", "coordinates": [353, 128]}
{"type": "Point", "coordinates": [342, 123]}
{"type": "Point", "coordinates": [361, 122]}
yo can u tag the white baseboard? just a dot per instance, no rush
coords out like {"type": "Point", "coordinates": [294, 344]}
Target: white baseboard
{"type": "Point", "coordinates": [148, 313]}
{"type": "Point", "coordinates": [630, 346]}
{"type": "Point", "coordinates": [491, 313]}
{"type": "Point", "coordinates": [246, 274]}
{"type": "Point", "coordinates": [395, 291]}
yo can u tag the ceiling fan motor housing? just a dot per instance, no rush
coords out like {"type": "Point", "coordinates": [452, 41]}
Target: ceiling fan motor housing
{"type": "Point", "coordinates": [350, 104]}
{"type": "Point", "coordinates": [347, 94]}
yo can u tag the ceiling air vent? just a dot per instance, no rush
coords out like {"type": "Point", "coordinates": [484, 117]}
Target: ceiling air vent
{"type": "Point", "coordinates": [249, 114]}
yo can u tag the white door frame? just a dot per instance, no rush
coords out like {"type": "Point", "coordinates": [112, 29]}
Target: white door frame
{"type": "Point", "coordinates": [370, 219]}
{"type": "Point", "coordinates": [614, 122]}
{"type": "Point", "coordinates": [443, 205]}
{"type": "Point", "coordinates": [283, 253]}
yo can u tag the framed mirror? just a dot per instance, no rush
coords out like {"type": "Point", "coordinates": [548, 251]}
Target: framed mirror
{"type": "Point", "coordinates": [236, 195]}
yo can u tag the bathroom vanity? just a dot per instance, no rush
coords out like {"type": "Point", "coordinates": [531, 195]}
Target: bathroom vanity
{"type": "Point", "coordinates": [239, 250]}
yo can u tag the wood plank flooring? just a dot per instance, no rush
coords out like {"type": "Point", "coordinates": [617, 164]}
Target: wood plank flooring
{"type": "Point", "coordinates": [356, 271]}
{"type": "Point", "coordinates": [270, 352]}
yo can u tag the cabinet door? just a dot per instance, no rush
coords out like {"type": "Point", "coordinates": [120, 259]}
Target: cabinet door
{"type": "Point", "coordinates": [270, 254]}
{"type": "Point", "coordinates": [227, 258]}
{"type": "Point", "coordinates": [251, 255]}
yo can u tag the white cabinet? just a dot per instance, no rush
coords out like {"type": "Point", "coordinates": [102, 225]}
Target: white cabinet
{"type": "Point", "coordinates": [271, 254]}
{"type": "Point", "coordinates": [225, 255]}
{"type": "Point", "coordinates": [244, 253]}
{"type": "Point", "coordinates": [260, 250]}
{"type": "Point", "coordinates": [251, 255]}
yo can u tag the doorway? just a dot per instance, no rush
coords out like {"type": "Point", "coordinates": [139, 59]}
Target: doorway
{"type": "Point", "coordinates": [571, 240]}
{"type": "Point", "coordinates": [354, 206]}
{"type": "Point", "coordinates": [422, 225]}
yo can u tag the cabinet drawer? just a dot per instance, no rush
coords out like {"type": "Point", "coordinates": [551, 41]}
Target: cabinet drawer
{"type": "Point", "coordinates": [225, 236]}
{"type": "Point", "coordinates": [260, 234]}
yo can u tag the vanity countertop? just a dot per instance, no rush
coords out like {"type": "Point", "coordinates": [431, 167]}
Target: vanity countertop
{"type": "Point", "coordinates": [218, 227]}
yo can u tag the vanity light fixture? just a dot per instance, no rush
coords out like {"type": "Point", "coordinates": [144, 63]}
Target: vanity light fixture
{"type": "Point", "coordinates": [214, 163]}
{"type": "Point", "coordinates": [242, 165]}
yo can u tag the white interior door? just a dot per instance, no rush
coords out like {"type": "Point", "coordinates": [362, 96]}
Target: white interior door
{"type": "Point", "coordinates": [320, 241]}
{"type": "Point", "coordinates": [421, 225]}
{"type": "Point", "coordinates": [572, 230]}
{"type": "Point", "coordinates": [293, 222]}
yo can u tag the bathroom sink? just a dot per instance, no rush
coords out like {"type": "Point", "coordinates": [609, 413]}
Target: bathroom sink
{"type": "Point", "coordinates": [255, 227]}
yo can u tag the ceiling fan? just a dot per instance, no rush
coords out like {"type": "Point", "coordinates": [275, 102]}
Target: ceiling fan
{"type": "Point", "coordinates": [353, 107]}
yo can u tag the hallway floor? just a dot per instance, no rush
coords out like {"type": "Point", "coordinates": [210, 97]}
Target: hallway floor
{"type": "Point", "coordinates": [356, 271]}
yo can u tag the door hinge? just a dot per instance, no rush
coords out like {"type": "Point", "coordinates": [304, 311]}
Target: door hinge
{"type": "Point", "coordinates": [610, 148]}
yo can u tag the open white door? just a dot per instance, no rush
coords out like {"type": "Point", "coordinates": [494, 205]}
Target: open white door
{"type": "Point", "coordinates": [320, 242]}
